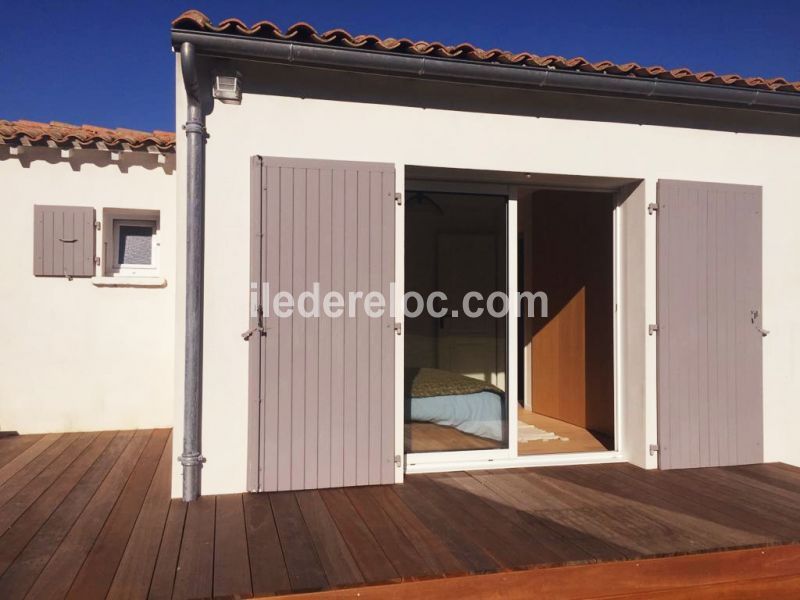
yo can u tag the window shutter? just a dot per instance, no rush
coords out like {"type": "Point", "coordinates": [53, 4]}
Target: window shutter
{"type": "Point", "coordinates": [63, 241]}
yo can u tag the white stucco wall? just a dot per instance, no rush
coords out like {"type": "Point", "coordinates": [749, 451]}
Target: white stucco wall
{"type": "Point", "coordinates": [336, 130]}
{"type": "Point", "coordinates": [75, 356]}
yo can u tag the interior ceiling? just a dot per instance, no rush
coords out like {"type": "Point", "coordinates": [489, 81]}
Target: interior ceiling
{"type": "Point", "coordinates": [531, 180]}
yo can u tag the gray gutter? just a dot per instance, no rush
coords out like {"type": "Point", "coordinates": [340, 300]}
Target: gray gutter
{"type": "Point", "coordinates": [462, 71]}
{"type": "Point", "coordinates": [191, 458]}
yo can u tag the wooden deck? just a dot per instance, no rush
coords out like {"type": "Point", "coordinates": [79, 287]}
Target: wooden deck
{"type": "Point", "coordinates": [88, 515]}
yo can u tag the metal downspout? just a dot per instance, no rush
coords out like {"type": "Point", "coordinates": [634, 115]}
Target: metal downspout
{"type": "Point", "coordinates": [192, 459]}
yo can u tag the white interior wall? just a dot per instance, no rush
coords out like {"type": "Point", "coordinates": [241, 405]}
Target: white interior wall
{"type": "Point", "coordinates": [337, 130]}
{"type": "Point", "coordinates": [75, 356]}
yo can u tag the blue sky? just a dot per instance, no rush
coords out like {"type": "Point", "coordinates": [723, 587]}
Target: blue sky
{"type": "Point", "coordinates": [110, 63]}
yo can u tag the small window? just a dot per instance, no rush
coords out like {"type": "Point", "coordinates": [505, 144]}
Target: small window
{"type": "Point", "coordinates": [135, 247]}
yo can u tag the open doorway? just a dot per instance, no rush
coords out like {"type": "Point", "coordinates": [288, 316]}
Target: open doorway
{"type": "Point", "coordinates": [566, 358]}
{"type": "Point", "coordinates": [502, 388]}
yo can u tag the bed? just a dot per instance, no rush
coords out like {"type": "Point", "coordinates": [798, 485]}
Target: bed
{"type": "Point", "coordinates": [452, 400]}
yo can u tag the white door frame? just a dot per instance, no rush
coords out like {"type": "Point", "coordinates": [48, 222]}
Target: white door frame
{"type": "Point", "coordinates": [460, 460]}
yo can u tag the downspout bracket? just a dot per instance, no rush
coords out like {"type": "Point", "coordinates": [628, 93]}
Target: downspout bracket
{"type": "Point", "coordinates": [192, 459]}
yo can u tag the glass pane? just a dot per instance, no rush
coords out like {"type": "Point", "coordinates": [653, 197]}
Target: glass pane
{"type": "Point", "coordinates": [455, 379]}
{"type": "Point", "coordinates": [135, 245]}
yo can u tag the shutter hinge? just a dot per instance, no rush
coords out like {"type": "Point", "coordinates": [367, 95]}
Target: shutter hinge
{"type": "Point", "coordinates": [398, 198]}
{"type": "Point", "coordinates": [97, 261]}
{"type": "Point", "coordinates": [653, 449]}
{"type": "Point", "coordinates": [398, 328]}
{"type": "Point", "coordinates": [652, 328]}
{"type": "Point", "coordinates": [398, 460]}
{"type": "Point", "coordinates": [652, 208]}
{"type": "Point", "coordinates": [97, 225]}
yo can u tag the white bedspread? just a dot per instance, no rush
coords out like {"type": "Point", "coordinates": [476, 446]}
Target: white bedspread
{"type": "Point", "coordinates": [479, 414]}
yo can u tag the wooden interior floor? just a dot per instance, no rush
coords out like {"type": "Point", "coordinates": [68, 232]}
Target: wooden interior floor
{"type": "Point", "coordinates": [429, 437]}
{"type": "Point", "coordinates": [88, 515]}
{"type": "Point", "coordinates": [578, 438]}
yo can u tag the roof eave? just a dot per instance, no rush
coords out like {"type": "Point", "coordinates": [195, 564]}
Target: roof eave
{"type": "Point", "coordinates": [461, 71]}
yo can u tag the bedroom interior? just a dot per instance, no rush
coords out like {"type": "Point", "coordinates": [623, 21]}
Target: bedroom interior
{"type": "Point", "coordinates": [456, 369]}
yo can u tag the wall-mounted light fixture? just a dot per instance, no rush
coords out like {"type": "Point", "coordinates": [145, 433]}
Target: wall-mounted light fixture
{"type": "Point", "coordinates": [228, 88]}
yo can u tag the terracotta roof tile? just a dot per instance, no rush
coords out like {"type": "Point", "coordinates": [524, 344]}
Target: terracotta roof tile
{"type": "Point", "coordinates": [194, 20]}
{"type": "Point", "coordinates": [86, 135]}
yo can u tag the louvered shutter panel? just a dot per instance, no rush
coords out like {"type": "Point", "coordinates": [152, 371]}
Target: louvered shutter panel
{"type": "Point", "coordinates": [710, 355]}
{"type": "Point", "coordinates": [63, 241]}
{"type": "Point", "coordinates": [324, 386]}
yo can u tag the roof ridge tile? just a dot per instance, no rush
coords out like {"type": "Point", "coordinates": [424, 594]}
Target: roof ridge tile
{"type": "Point", "coordinates": [34, 131]}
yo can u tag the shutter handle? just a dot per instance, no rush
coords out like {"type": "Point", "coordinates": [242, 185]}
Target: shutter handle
{"type": "Point", "coordinates": [250, 332]}
{"type": "Point", "coordinates": [259, 325]}
{"type": "Point", "coordinates": [754, 317]}
{"type": "Point", "coordinates": [67, 241]}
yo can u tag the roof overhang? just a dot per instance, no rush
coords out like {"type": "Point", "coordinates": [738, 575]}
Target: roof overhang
{"type": "Point", "coordinates": [223, 45]}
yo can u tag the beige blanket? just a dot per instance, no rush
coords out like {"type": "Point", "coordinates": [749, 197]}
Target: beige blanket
{"type": "Point", "coordinates": [435, 382]}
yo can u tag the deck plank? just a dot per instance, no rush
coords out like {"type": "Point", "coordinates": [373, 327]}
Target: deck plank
{"type": "Point", "coordinates": [553, 548]}
{"type": "Point", "coordinates": [163, 582]}
{"type": "Point", "coordinates": [340, 567]}
{"type": "Point", "coordinates": [22, 573]}
{"type": "Point", "coordinates": [773, 475]}
{"type": "Point", "coordinates": [709, 527]}
{"type": "Point", "coordinates": [17, 482]}
{"type": "Point", "coordinates": [695, 532]}
{"type": "Point", "coordinates": [195, 572]}
{"type": "Point", "coordinates": [769, 573]}
{"type": "Point", "coordinates": [13, 445]}
{"type": "Point", "coordinates": [395, 545]}
{"type": "Point", "coordinates": [231, 560]}
{"type": "Point", "coordinates": [511, 546]}
{"type": "Point", "coordinates": [135, 571]}
{"type": "Point", "coordinates": [370, 557]}
{"type": "Point", "coordinates": [22, 531]}
{"type": "Point", "coordinates": [14, 508]}
{"type": "Point", "coordinates": [738, 513]}
{"type": "Point", "coordinates": [438, 558]}
{"type": "Point", "coordinates": [532, 503]}
{"type": "Point", "coordinates": [94, 578]}
{"type": "Point", "coordinates": [587, 511]}
{"type": "Point", "coordinates": [57, 577]}
{"type": "Point", "coordinates": [647, 528]}
{"type": "Point", "coordinates": [448, 527]}
{"type": "Point", "coordinates": [267, 566]}
{"type": "Point", "coordinates": [791, 468]}
{"type": "Point", "coordinates": [15, 465]}
{"type": "Point", "coordinates": [782, 503]}
{"type": "Point", "coordinates": [302, 563]}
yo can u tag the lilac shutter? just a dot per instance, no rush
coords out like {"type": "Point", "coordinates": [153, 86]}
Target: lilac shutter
{"type": "Point", "coordinates": [710, 407]}
{"type": "Point", "coordinates": [63, 241]}
{"type": "Point", "coordinates": [322, 389]}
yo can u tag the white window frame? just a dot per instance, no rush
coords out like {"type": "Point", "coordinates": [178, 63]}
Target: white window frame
{"type": "Point", "coordinates": [149, 270]}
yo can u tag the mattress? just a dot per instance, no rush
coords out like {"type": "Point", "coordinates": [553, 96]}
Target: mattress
{"type": "Point", "coordinates": [453, 400]}
{"type": "Point", "coordinates": [478, 414]}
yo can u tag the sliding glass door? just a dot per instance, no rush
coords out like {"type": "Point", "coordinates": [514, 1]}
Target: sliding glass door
{"type": "Point", "coordinates": [457, 325]}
